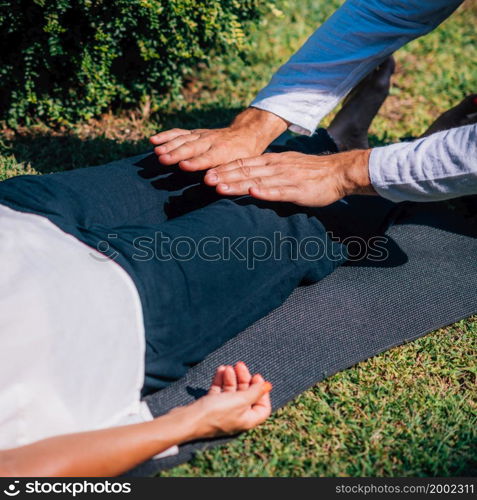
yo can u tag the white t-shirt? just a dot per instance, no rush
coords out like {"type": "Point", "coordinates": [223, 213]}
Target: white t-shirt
{"type": "Point", "coordinates": [71, 335]}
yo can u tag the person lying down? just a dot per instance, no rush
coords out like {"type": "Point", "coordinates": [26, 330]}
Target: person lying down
{"type": "Point", "coordinates": [116, 279]}
{"type": "Point", "coordinates": [113, 284]}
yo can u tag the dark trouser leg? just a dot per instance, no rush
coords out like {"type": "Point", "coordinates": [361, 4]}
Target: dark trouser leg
{"type": "Point", "coordinates": [209, 274]}
{"type": "Point", "coordinates": [191, 304]}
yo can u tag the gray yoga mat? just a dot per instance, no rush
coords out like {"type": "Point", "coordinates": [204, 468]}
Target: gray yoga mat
{"type": "Point", "coordinates": [428, 281]}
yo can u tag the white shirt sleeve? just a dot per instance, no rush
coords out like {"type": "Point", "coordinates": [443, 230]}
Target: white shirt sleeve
{"type": "Point", "coordinates": [438, 167]}
{"type": "Point", "coordinates": [354, 40]}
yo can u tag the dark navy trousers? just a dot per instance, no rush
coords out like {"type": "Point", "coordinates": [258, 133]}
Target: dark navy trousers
{"type": "Point", "coordinates": [205, 267]}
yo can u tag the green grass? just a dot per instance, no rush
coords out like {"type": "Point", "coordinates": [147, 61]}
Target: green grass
{"type": "Point", "coordinates": [410, 411]}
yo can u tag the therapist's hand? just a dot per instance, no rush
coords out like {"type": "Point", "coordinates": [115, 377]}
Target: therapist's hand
{"type": "Point", "coordinates": [307, 180]}
{"type": "Point", "coordinates": [248, 135]}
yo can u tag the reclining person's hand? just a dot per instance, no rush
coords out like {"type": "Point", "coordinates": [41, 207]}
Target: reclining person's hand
{"type": "Point", "coordinates": [307, 180]}
{"type": "Point", "coordinates": [248, 135]}
{"type": "Point", "coordinates": [236, 401]}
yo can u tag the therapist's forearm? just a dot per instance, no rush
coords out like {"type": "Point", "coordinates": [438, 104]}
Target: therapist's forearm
{"type": "Point", "coordinates": [263, 127]}
{"type": "Point", "coordinates": [352, 42]}
{"type": "Point", "coordinates": [437, 167]}
{"type": "Point", "coordinates": [107, 452]}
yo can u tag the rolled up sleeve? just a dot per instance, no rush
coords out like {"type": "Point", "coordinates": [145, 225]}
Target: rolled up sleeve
{"type": "Point", "coordinates": [359, 36]}
{"type": "Point", "coordinates": [438, 167]}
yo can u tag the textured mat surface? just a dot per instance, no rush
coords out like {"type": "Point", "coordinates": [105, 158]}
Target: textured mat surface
{"type": "Point", "coordinates": [428, 281]}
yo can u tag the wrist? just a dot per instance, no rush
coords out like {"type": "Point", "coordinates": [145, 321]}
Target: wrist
{"type": "Point", "coordinates": [263, 126]}
{"type": "Point", "coordinates": [355, 168]}
{"type": "Point", "coordinates": [191, 420]}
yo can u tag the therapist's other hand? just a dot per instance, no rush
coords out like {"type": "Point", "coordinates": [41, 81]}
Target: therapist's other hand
{"type": "Point", "coordinates": [307, 180]}
{"type": "Point", "coordinates": [248, 135]}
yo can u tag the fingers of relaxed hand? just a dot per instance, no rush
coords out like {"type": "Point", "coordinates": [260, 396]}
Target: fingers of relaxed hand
{"type": "Point", "coordinates": [217, 381]}
{"type": "Point", "coordinates": [173, 144]}
{"type": "Point", "coordinates": [243, 409]}
{"type": "Point", "coordinates": [230, 380]}
{"type": "Point", "coordinates": [243, 376]}
{"type": "Point", "coordinates": [257, 379]}
{"type": "Point", "coordinates": [260, 182]}
{"type": "Point", "coordinates": [262, 409]}
{"type": "Point", "coordinates": [186, 151]}
{"type": "Point", "coordinates": [258, 388]}
{"type": "Point", "coordinates": [260, 401]}
{"type": "Point", "coordinates": [247, 172]}
{"type": "Point", "coordinates": [289, 193]}
{"type": "Point", "coordinates": [167, 135]}
{"type": "Point", "coordinates": [242, 167]}
{"type": "Point", "coordinates": [264, 400]}
{"type": "Point", "coordinates": [200, 162]}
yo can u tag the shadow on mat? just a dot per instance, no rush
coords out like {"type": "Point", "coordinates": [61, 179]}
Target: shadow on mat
{"type": "Point", "coordinates": [355, 218]}
{"type": "Point", "coordinates": [196, 392]}
{"type": "Point", "coordinates": [357, 221]}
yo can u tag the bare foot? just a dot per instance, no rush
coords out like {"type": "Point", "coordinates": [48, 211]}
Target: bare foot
{"type": "Point", "coordinates": [464, 113]}
{"type": "Point", "coordinates": [349, 128]}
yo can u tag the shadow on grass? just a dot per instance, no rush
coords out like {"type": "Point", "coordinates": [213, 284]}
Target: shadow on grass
{"type": "Point", "coordinates": [54, 152]}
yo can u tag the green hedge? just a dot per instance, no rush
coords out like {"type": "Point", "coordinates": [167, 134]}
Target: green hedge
{"type": "Point", "coordinates": [68, 60]}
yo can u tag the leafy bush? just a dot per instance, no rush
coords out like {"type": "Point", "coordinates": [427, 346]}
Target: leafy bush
{"type": "Point", "coordinates": [67, 60]}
